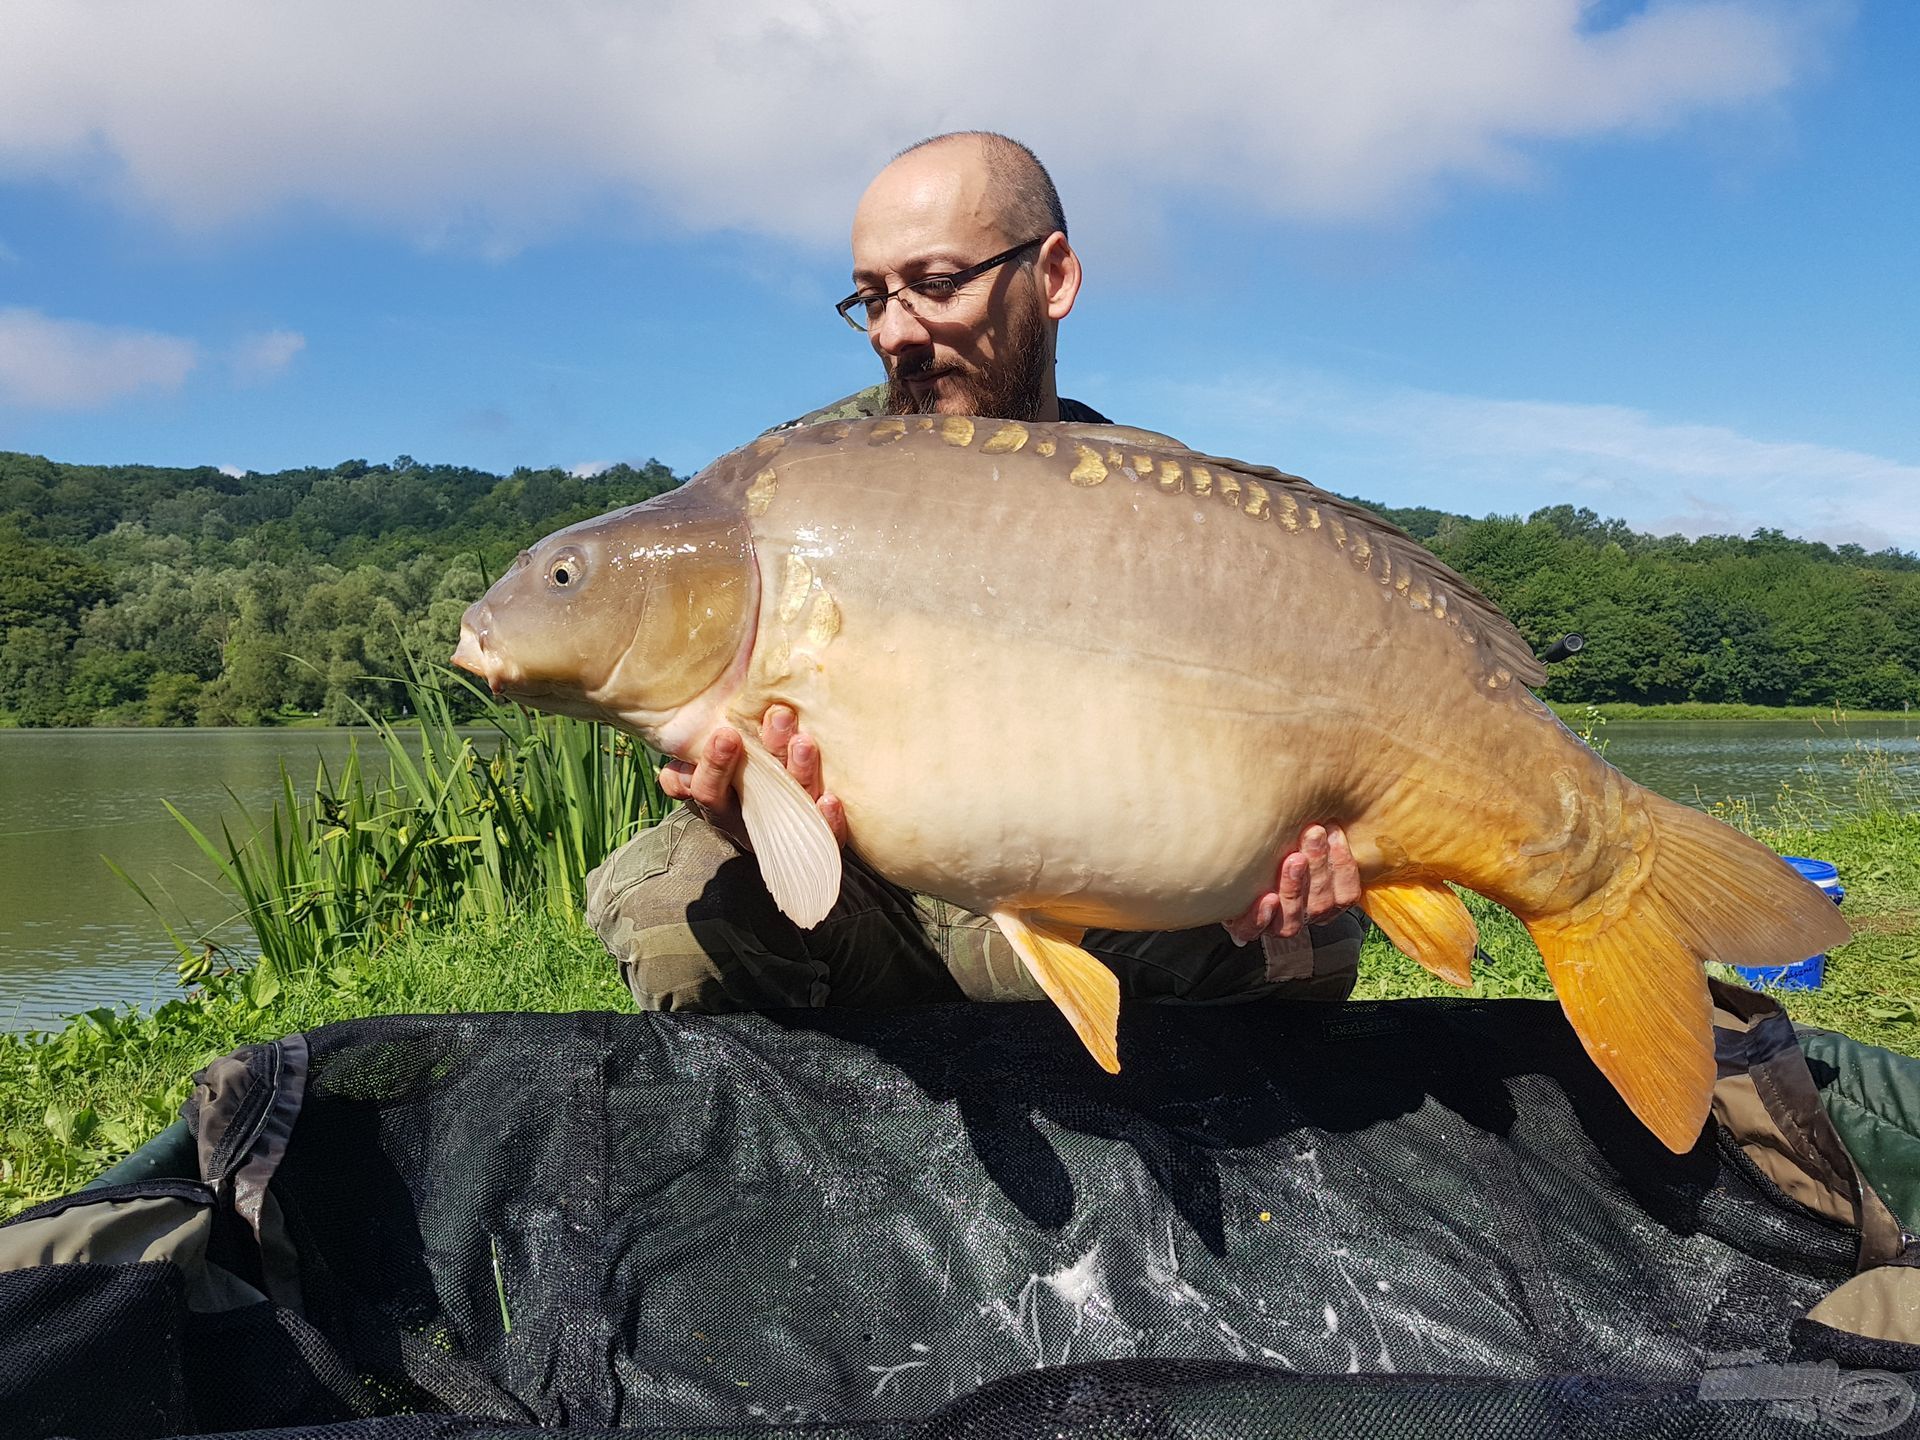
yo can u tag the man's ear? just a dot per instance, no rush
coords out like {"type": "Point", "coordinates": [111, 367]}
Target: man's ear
{"type": "Point", "coordinates": [1057, 268]}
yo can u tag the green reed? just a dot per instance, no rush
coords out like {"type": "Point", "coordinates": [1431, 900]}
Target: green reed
{"type": "Point", "coordinates": [437, 828]}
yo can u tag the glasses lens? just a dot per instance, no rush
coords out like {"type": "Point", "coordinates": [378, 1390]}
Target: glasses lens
{"type": "Point", "coordinates": [933, 296]}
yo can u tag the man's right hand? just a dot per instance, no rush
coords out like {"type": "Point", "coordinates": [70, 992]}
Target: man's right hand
{"type": "Point", "coordinates": [708, 783]}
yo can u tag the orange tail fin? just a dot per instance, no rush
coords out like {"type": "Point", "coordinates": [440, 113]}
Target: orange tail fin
{"type": "Point", "coordinates": [1628, 973]}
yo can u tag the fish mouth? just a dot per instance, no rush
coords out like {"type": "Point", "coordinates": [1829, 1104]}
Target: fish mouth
{"type": "Point", "coordinates": [471, 655]}
{"type": "Point", "coordinates": [501, 677]}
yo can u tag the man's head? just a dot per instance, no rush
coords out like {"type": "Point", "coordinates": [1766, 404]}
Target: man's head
{"type": "Point", "coordinates": [944, 205]}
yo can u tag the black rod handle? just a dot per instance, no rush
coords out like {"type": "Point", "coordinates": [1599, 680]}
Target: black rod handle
{"type": "Point", "coordinates": [1571, 643]}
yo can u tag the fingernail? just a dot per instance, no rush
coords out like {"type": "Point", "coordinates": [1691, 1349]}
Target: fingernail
{"type": "Point", "coordinates": [781, 720]}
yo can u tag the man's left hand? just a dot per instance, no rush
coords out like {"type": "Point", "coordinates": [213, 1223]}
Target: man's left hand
{"type": "Point", "coordinates": [1315, 881]}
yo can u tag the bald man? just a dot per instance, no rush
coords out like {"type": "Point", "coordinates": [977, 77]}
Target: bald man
{"type": "Point", "coordinates": [962, 273]}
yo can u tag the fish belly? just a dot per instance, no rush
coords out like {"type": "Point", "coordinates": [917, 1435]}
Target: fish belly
{"type": "Point", "coordinates": [1089, 791]}
{"type": "Point", "coordinates": [1113, 734]}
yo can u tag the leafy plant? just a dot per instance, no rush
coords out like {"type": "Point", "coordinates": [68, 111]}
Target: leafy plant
{"type": "Point", "coordinates": [453, 826]}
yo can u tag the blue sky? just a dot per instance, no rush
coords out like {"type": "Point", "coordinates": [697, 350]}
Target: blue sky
{"type": "Point", "coordinates": [1485, 255]}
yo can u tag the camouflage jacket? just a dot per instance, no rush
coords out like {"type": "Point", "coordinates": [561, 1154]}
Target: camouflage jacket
{"type": "Point", "coordinates": [873, 401]}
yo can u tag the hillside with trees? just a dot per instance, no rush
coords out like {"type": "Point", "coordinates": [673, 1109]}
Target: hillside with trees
{"type": "Point", "coordinates": [1764, 620]}
{"type": "Point", "coordinates": [136, 595]}
{"type": "Point", "coordinates": [140, 595]}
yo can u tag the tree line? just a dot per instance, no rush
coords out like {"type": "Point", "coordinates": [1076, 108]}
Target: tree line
{"type": "Point", "coordinates": [1760, 620]}
{"type": "Point", "coordinates": [143, 595]}
{"type": "Point", "coordinates": [140, 595]}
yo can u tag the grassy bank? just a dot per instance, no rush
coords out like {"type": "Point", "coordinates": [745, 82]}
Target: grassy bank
{"type": "Point", "coordinates": [73, 1102]}
{"type": "Point", "coordinates": [1574, 714]}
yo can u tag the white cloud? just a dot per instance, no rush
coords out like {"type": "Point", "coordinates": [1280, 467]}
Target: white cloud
{"type": "Point", "coordinates": [234, 472]}
{"type": "Point", "coordinates": [587, 469]}
{"type": "Point", "coordinates": [1479, 455]}
{"type": "Point", "coordinates": [53, 364]}
{"type": "Point", "coordinates": [486, 122]}
{"type": "Point", "coordinates": [258, 358]}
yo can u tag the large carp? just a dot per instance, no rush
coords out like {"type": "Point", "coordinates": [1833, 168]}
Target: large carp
{"type": "Point", "coordinates": [1076, 676]}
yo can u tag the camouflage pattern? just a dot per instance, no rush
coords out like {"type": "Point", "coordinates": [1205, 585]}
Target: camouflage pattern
{"type": "Point", "coordinates": [872, 401]}
{"type": "Point", "coordinates": [861, 405]}
{"type": "Point", "coordinates": [685, 912]}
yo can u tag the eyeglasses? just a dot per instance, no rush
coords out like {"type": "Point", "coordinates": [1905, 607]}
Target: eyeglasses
{"type": "Point", "coordinates": [927, 298]}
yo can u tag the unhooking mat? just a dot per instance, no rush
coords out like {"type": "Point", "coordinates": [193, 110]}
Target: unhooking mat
{"type": "Point", "coordinates": [1411, 1218]}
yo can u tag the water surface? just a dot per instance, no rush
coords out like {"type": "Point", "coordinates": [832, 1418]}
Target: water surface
{"type": "Point", "coordinates": [72, 935]}
{"type": "Point", "coordinates": [1703, 762]}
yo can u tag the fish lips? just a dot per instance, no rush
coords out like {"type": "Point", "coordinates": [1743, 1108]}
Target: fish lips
{"type": "Point", "coordinates": [471, 653]}
{"type": "Point", "coordinates": [469, 656]}
{"type": "Point", "coordinates": [473, 656]}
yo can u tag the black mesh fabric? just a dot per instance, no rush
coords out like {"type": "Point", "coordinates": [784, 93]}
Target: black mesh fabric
{"type": "Point", "coordinates": [96, 1350]}
{"type": "Point", "coordinates": [1417, 1218]}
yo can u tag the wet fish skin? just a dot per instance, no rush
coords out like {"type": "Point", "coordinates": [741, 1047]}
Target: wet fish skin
{"type": "Point", "coordinates": [1078, 675]}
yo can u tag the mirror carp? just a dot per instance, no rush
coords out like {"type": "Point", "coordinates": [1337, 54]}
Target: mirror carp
{"type": "Point", "coordinates": [1078, 675]}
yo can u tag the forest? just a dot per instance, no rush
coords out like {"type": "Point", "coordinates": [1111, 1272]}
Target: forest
{"type": "Point", "coordinates": [142, 595]}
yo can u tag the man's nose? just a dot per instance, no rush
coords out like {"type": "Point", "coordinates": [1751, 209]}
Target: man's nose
{"type": "Point", "coordinates": [898, 329]}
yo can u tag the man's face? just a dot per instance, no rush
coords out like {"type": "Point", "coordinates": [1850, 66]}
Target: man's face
{"type": "Point", "coordinates": [988, 352]}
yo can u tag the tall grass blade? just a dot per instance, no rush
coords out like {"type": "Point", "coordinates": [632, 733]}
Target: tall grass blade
{"type": "Point", "coordinates": [450, 829]}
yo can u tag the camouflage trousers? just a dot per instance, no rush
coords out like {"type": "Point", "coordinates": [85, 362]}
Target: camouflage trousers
{"type": "Point", "coordinates": [686, 914]}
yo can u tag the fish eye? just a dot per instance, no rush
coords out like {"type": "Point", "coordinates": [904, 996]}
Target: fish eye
{"type": "Point", "coordinates": [566, 571]}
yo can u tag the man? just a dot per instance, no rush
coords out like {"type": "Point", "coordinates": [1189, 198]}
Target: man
{"type": "Point", "coordinates": [962, 274]}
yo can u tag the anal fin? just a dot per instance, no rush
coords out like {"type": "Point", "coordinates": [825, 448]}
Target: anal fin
{"type": "Point", "coordinates": [799, 857]}
{"type": "Point", "coordinates": [1087, 992]}
{"type": "Point", "coordinates": [1637, 998]}
{"type": "Point", "coordinates": [1425, 919]}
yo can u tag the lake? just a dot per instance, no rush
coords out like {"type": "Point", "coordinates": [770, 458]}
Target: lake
{"type": "Point", "coordinates": [73, 936]}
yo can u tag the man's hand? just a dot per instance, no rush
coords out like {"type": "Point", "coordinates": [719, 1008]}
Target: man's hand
{"type": "Point", "coordinates": [1317, 880]}
{"type": "Point", "coordinates": [708, 786]}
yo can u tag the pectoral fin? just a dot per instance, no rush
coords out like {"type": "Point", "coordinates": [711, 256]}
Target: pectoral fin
{"type": "Point", "coordinates": [799, 858]}
{"type": "Point", "coordinates": [1087, 993]}
{"type": "Point", "coordinates": [1427, 920]}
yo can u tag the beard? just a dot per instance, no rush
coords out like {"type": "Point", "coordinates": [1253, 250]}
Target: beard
{"type": "Point", "coordinates": [1011, 387]}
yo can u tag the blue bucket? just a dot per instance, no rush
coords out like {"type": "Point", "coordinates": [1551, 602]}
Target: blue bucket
{"type": "Point", "coordinates": [1802, 975]}
{"type": "Point", "coordinates": [1809, 973]}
